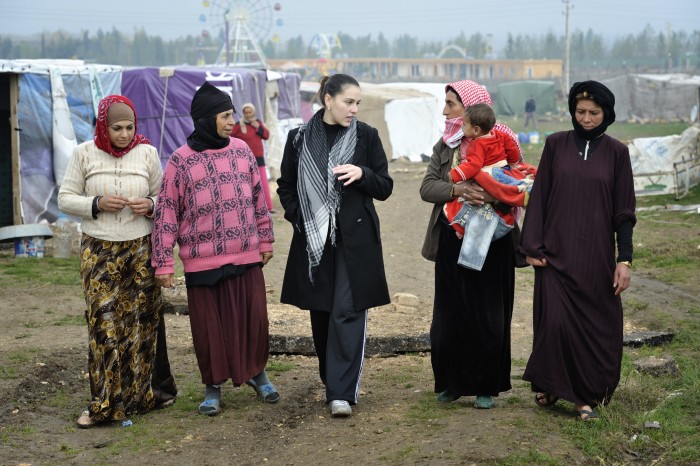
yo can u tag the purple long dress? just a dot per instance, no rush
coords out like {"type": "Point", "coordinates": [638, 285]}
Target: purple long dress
{"type": "Point", "coordinates": [575, 208]}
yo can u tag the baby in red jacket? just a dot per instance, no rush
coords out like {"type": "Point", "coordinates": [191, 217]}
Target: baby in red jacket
{"type": "Point", "coordinates": [490, 153]}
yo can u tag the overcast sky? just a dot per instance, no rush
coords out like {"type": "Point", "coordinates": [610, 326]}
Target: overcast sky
{"type": "Point", "coordinates": [426, 20]}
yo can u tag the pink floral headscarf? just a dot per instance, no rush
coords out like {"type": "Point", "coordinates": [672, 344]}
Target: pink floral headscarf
{"type": "Point", "coordinates": [470, 93]}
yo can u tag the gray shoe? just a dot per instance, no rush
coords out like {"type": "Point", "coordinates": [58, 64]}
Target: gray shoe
{"type": "Point", "coordinates": [340, 408]}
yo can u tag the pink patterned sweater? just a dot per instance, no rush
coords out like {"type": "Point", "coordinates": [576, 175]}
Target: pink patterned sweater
{"type": "Point", "coordinates": [212, 204]}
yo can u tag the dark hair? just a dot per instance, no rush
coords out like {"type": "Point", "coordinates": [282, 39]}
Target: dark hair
{"type": "Point", "coordinates": [335, 84]}
{"type": "Point", "coordinates": [449, 88]}
{"type": "Point", "coordinates": [481, 115]}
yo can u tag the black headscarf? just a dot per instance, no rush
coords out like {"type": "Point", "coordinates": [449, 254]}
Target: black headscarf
{"type": "Point", "coordinates": [207, 102]}
{"type": "Point", "coordinates": [599, 94]}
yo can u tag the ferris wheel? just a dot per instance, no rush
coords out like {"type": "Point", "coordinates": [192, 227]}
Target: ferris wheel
{"type": "Point", "coordinates": [243, 25]}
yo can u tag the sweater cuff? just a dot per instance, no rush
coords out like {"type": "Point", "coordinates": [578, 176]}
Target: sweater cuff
{"type": "Point", "coordinates": [95, 208]}
{"type": "Point", "coordinates": [624, 241]}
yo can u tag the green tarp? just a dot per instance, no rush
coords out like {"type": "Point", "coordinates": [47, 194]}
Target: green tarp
{"type": "Point", "coordinates": [512, 96]}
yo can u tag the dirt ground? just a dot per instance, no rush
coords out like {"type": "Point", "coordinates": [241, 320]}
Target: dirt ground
{"type": "Point", "coordinates": [397, 420]}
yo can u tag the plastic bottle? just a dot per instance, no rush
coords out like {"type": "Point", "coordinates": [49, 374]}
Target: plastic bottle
{"type": "Point", "coordinates": [63, 238]}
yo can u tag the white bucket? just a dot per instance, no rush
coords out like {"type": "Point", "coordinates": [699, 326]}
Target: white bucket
{"type": "Point", "coordinates": [29, 246]}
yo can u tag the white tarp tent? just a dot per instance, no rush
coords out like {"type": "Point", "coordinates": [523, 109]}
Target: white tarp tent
{"type": "Point", "coordinates": [669, 164]}
{"type": "Point", "coordinates": [404, 117]}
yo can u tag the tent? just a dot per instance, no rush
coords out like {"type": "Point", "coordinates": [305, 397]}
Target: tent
{"type": "Point", "coordinates": [403, 116]}
{"type": "Point", "coordinates": [669, 164]}
{"type": "Point", "coordinates": [512, 97]}
{"type": "Point", "coordinates": [47, 107]}
{"type": "Point", "coordinates": [663, 97]}
{"type": "Point", "coordinates": [162, 97]}
{"type": "Point", "coordinates": [50, 107]}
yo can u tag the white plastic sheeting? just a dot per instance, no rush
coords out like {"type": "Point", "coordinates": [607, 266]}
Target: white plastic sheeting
{"type": "Point", "coordinates": [416, 136]}
{"type": "Point", "coordinates": [666, 164]}
{"type": "Point", "coordinates": [410, 130]}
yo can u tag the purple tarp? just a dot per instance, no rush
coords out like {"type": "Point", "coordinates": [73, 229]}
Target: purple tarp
{"type": "Point", "coordinates": [290, 97]}
{"type": "Point", "coordinates": [147, 90]}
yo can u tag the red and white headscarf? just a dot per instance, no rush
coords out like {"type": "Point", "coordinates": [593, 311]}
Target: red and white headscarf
{"type": "Point", "coordinates": [102, 128]}
{"type": "Point", "coordinates": [470, 93]}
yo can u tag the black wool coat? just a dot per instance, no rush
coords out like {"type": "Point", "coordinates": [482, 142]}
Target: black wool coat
{"type": "Point", "coordinates": [357, 221]}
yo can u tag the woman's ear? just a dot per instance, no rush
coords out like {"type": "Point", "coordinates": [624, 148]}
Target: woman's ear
{"type": "Point", "coordinates": [327, 99]}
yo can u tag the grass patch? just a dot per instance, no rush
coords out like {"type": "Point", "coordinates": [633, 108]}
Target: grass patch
{"type": "Point", "coordinates": [12, 363]}
{"type": "Point", "coordinates": [532, 457]}
{"type": "Point", "coordinates": [274, 365]}
{"type": "Point", "coordinates": [78, 320]}
{"type": "Point", "coordinates": [400, 376]}
{"type": "Point", "coordinates": [400, 456]}
{"type": "Point", "coordinates": [47, 271]}
{"type": "Point", "coordinates": [61, 398]}
{"type": "Point", "coordinates": [67, 449]}
{"type": "Point", "coordinates": [428, 408]}
{"type": "Point", "coordinates": [620, 436]}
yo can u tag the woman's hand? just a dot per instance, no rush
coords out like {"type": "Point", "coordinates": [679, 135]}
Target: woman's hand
{"type": "Point", "coordinates": [622, 278]}
{"type": "Point", "coordinates": [472, 193]}
{"type": "Point", "coordinates": [265, 257]}
{"type": "Point", "coordinates": [112, 203]}
{"type": "Point", "coordinates": [166, 281]}
{"type": "Point", "coordinates": [348, 173]}
{"type": "Point", "coordinates": [254, 123]}
{"type": "Point", "coordinates": [536, 262]}
{"type": "Point", "coordinates": [141, 206]}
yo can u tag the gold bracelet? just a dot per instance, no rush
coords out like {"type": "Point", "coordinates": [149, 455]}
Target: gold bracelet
{"type": "Point", "coordinates": [627, 263]}
{"type": "Point", "coordinates": [452, 192]}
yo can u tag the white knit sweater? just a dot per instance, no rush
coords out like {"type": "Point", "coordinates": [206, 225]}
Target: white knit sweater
{"type": "Point", "coordinates": [93, 172]}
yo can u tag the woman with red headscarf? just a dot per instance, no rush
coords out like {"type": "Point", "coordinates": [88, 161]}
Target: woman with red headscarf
{"type": "Point", "coordinates": [472, 310]}
{"type": "Point", "coordinates": [111, 183]}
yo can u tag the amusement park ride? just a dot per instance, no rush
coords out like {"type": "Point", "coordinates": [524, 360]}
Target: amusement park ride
{"type": "Point", "coordinates": [244, 25]}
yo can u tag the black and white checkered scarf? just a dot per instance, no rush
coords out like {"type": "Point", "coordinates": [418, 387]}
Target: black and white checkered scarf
{"type": "Point", "coordinates": [318, 188]}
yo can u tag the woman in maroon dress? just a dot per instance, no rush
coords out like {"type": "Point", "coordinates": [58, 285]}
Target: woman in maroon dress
{"type": "Point", "coordinates": [582, 200]}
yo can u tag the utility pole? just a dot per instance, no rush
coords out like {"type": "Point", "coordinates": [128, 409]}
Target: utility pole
{"type": "Point", "coordinates": [567, 52]}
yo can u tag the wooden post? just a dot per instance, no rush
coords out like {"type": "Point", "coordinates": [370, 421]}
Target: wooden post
{"type": "Point", "coordinates": [18, 218]}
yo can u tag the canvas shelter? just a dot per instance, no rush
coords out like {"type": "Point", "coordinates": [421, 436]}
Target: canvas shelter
{"type": "Point", "coordinates": [662, 97]}
{"type": "Point", "coordinates": [511, 97]}
{"type": "Point", "coordinates": [162, 97]}
{"type": "Point", "coordinates": [48, 107]}
{"type": "Point", "coordinates": [404, 117]}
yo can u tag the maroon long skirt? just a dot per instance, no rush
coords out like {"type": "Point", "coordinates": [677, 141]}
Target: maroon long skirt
{"type": "Point", "coordinates": [230, 328]}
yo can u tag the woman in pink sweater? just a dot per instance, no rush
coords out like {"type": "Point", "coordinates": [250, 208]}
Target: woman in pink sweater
{"type": "Point", "coordinates": [212, 204]}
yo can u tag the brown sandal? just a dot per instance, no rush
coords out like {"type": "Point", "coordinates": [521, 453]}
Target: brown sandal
{"type": "Point", "coordinates": [85, 421]}
{"type": "Point", "coordinates": [545, 400]}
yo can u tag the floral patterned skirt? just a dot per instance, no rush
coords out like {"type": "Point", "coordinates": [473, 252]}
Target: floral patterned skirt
{"type": "Point", "coordinates": [124, 307]}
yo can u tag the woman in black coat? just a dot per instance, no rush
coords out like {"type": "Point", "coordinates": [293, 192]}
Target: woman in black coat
{"type": "Point", "coordinates": [332, 169]}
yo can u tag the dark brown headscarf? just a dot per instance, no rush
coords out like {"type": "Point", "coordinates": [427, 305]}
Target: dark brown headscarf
{"type": "Point", "coordinates": [208, 102]}
{"type": "Point", "coordinates": [599, 94]}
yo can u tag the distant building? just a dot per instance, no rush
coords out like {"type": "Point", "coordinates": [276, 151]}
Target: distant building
{"type": "Point", "coordinates": [431, 69]}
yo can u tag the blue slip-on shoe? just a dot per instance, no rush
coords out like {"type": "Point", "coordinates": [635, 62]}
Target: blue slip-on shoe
{"type": "Point", "coordinates": [484, 402]}
{"type": "Point", "coordinates": [447, 397]}
{"type": "Point", "coordinates": [211, 406]}
{"type": "Point", "coordinates": [267, 393]}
